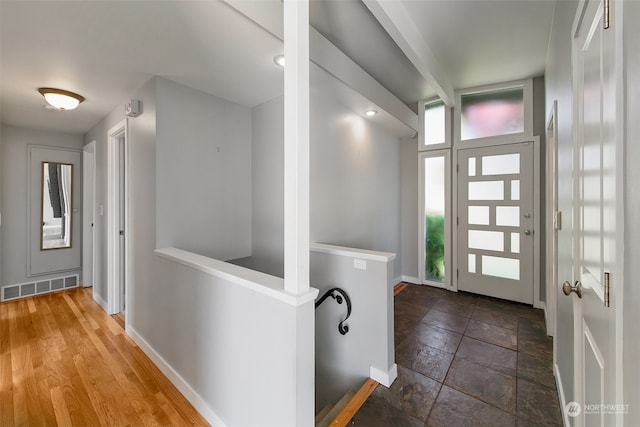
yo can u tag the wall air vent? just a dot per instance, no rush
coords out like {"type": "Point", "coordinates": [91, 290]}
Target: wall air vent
{"type": "Point", "coordinates": [23, 290]}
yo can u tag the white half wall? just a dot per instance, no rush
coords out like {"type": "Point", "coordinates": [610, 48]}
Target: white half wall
{"type": "Point", "coordinates": [344, 362]}
{"type": "Point", "coordinates": [234, 342]}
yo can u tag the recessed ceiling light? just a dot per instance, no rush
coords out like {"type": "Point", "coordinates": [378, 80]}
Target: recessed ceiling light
{"type": "Point", "coordinates": [370, 113]}
{"type": "Point", "coordinates": [61, 99]}
{"type": "Point", "coordinates": [279, 60]}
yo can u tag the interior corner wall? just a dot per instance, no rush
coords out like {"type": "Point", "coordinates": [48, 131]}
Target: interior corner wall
{"type": "Point", "coordinates": [540, 129]}
{"type": "Point", "coordinates": [15, 169]}
{"type": "Point", "coordinates": [558, 88]}
{"type": "Point", "coordinates": [203, 182]}
{"type": "Point", "coordinates": [409, 208]}
{"type": "Point", "coordinates": [354, 180]}
{"type": "Point", "coordinates": [267, 164]}
{"type": "Point", "coordinates": [98, 133]}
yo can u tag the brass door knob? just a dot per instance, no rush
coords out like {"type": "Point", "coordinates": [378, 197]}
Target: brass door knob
{"type": "Point", "coordinates": [577, 288]}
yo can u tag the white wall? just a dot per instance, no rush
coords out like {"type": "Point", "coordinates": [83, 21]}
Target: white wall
{"type": "Point", "coordinates": [203, 164]}
{"type": "Point", "coordinates": [558, 87]}
{"type": "Point", "coordinates": [267, 164]}
{"type": "Point", "coordinates": [409, 209]}
{"type": "Point", "coordinates": [631, 297]}
{"type": "Point", "coordinates": [15, 169]}
{"type": "Point", "coordinates": [354, 181]}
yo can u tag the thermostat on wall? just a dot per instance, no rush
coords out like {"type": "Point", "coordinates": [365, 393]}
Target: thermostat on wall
{"type": "Point", "coordinates": [132, 108]}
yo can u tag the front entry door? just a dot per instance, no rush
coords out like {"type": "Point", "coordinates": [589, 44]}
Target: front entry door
{"type": "Point", "coordinates": [495, 221]}
{"type": "Point", "coordinates": [595, 207]}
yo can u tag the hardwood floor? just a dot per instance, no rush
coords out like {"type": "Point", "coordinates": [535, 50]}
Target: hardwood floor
{"type": "Point", "coordinates": [65, 362]}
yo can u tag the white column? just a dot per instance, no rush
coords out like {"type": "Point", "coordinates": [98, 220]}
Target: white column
{"type": "Point", "coordinates": [296, 146]}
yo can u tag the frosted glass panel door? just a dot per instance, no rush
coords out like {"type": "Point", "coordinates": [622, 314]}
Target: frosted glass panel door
{"type": "Point", "coordinates": [495, 221]}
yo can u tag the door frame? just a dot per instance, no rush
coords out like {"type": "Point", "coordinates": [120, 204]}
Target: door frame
{"type": "Point", "coordinates": [553, 224]}
{"type": "Point", "coordinates": [491, 142]}
{"type": "Point", "coordinates": [114, 292]}
{"type": "Point", "coordinates": [88, 213]}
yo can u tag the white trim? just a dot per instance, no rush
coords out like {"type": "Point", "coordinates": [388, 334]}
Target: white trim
{"type": "Point", "coordinates": [89, 210]}
{"type": "Point", "coordinates": [113, 216]}
{"type": "Point", "coordinates": [551, 252]}
{"type": "Point", "coordinates": [352, 252]}
{"type": "Point", "coordinates": [561, 396]}
{"type": "Point", "coordinates": [102, 303]}
{"type": "Point", "coordinates": [385, 378]}
{"type": "Point", "coordinates": [537, 213]}
{"type": "Point", "coordinates": [180, 383]}
{"type": "Point", "coordinates": [448, 128]}
{"type": "Point", "coordinates": [254, 280]}
{"type": "Point", "coordinates": [527, 86]}
{"type": "Point", "coordinates": [411, 279]}
{"type": "Point", "coordinates": [448, 218]}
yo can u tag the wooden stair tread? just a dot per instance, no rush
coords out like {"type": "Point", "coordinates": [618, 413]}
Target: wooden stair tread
{"type": "Point", "coordinates": [337, 408]}
{"type": "Point", "coordinates": [323, 413]}
{"type": "Point", "coordinates": [345, 415]}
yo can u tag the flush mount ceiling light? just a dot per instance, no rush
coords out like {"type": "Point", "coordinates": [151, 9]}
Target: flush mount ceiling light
{"type": "Point", "coordinates": [279, 60]}
{"type": "Point", "coordinates": [370, 113]}
{"type": "Point", "coordinates": [61, 99]}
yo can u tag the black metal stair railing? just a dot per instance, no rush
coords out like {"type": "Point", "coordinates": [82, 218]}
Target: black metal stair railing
{"type": "Point", "coordinates": [339, 295]}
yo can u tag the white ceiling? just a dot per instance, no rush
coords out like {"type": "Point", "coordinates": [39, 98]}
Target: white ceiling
{"type": "Point", "coordinates": [105, 50]}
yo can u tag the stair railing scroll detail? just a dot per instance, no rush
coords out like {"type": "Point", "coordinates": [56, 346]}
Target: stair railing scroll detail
{"type": "Point", "coordinates": [338, 295]}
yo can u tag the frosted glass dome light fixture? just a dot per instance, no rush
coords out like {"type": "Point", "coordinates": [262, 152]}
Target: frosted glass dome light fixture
{"type": "Point", "coordinates": [279, 60]}
{"type": "Point", "coordinates": [370, 113]}
{"type": "Point", "coordinates": [61, 99]}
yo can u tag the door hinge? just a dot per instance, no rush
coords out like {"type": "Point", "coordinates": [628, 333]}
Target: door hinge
{"type": "Point", "coordinates": [457, 167]}
{"type": "Point", "coordinates": [558, 220]}
{"type": "Point", "coordinates": [457, 273]}
{"type": "Point", "coordinates": [606, 15]}
{"type": "Point", "coordinates": [457, 220]}
{"type": "Point", "coordinates": [606, 289]}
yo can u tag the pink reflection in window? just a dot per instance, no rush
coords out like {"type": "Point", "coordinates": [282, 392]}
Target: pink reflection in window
{"type": "Point", "coordinates": [488, 114]}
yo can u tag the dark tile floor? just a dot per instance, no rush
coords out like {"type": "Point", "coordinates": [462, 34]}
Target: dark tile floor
{"type": "Point", "coordinates": [466, 360]}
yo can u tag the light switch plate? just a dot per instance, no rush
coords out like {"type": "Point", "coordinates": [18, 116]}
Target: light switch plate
{"type": "Point", "coordinates": [360, 264]}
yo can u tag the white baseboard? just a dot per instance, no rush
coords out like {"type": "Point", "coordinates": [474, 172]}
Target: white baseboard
{"type": "Point", "coordinates": [561, 397]}
{"type": "Point", "coordinates": [397, 280]}
{"type": "Point", "coordinates": [102, 303]}
{"type": "Point", "coordinates": [411, 279]}
{"type": "Point", "coordinates": [183, 386]}
{"type": "Point", "coordinates": [540, 304]}
{"type": "Point", "coordinates": [384, 378]}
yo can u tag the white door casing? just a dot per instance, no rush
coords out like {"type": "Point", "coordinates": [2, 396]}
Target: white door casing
{"type": "Point", "coordinates": [597, 207]}
{"type": "Point", "coordinates": [116, 262]}
{"type": "Point", "coordinates": [496, 221]}
{"type": "Point", "coordinates": [88, 213]}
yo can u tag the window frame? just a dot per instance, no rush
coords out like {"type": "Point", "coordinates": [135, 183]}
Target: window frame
{"type": "Point", "coordinates": [422, 146]}
{"type": "Point", "coordinates": [448, 227]}
{"type": "Point", "coordinates": [527, 99]}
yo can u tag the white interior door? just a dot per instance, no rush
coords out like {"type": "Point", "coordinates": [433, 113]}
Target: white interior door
{"type": "Point", "coordinates": [495, 221]}
{"type": "Point", "coordinates": [595, 205]}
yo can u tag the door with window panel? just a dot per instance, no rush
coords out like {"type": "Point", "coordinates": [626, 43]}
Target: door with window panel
{"type": "Point", "coordinates": [495, 221]}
